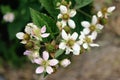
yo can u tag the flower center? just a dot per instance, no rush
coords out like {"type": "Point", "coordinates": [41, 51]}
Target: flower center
{"type": "Point", "coordinates": [65, 16]}
{"type": "Point", "coordinates": [45, 63]}
{"type": "Point", "coordinates": [92, 27]}
{"type": "Point", "coordinates": [104, 10]}
{"type": "Point", "coordinates": [36, 32]}
{"type": "Point", "coordinates": [88, 40]}
{"type": "Point", "coordinates": [70, 42]}
{"type": "Point", "coordinates": [26, 36]}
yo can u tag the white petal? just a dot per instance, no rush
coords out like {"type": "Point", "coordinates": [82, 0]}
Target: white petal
{"type": "Point", "coordinates": [39, 70]}
{"type": "Point", "coordinates": [72, 13]}
{"type": "Point", "coordinates": [23, 42]}
{"type": "Point", "coordinates": [68, 50]}
{"type": "Point", "coordinates": [45, 55]}
{"type": "Point", "coordinates": [20, 35]}
{"type": "Point", "coordinates": [85, 24]}
{"type": "Point", "coordinates": [38, 61]}
{"type": "Point", "coordinates": [27, 52]}
{"type": "Point", "coordinates": [71, 23]}
{"type": "Point", "coordinates": [76, 49]}
{"type": "Point", "coordinates": [63, 9]}
{"type": "Point", "coordinates": [111, 9]}
{"type": "Point", "coordinates": [106, 15]}
{"type": "Point", "coordinates": [34, 26]}
{"type": "Point", "coordinates": [94, 20]}
{"type": "Point", "coordinates": [59, 16]}
{"type": "Point", "coordinates": [86, 31]}
{"type": "Point", "coordinates": [43, 29]}
{"type": "Point", "coordinates": [85, 45]}
{"type": "Point", "coordinates": [74, 36]}
{"type": "Point", "coordinates": [53, 62]}
{"type": "Point", "coordinates": [28, 29]}
{"type": "Point", "coordinates": [80, 42]}
{"type": "Point", "coordinates": [49, 69]}
{"type": "Point", "coordinates": [94, 45]}
{"type": "Point", "coordinates": [64, 35]}
{"type": "Point", "coordinates": [62, 45]}
{"type": "Point", "coordinates": [93, 36]}
{"type": "Point", "coordinates": [99, 14]}
{"type": "Point", "coordinates": [99, 26]}
{"type": "Point", "coordinates": [82, 36]}
{"type": "Point", "coordinates": [45, 35]}
{"type": "Point", "coordinates": [64, 23]}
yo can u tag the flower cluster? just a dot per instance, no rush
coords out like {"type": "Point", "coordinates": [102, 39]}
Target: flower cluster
{"type": "Point", "coordinates": [69, 43]}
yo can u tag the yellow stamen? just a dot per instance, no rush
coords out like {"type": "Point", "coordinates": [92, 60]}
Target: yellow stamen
{"type": "Point", "coordinates": [65, 16]}
{"type": "Point", "coordinates": [92, 27]}
{"type": "Point", "coordinates": [88, 40]}
{"type": "Point", "coordinates": [70, 42]}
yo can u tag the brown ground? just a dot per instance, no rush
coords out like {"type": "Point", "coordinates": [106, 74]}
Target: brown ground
{"type": "Point", "coordinates": [101, 63]}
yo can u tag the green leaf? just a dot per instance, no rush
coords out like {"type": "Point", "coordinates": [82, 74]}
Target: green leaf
{"type": "Point", "coordinates": [14, 28]}
{"type": "Point", "coordinates": [45, 74]}
{"type": "Point", "coordinates": [50, 7]}
{"type": "Point", "coordinates": [36, 18]}
{"type": "Point", "coordinates": [3, 49]}
{"type": "Point", "coordinates": [58, 53]}
{"type": "Point", "coordinates": [82, 3]}
{"type": "Point", "coordinates": [41, 19]}
{"type": "Point", "coordinates": [5, 9]}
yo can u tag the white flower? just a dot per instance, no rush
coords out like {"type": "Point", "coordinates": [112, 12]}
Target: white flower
{"type": "Point", "coordinates": [32, 55]}
{"type": "Point", "coordinates": [65, 15]}
{"type": "Point", "coordinates": [45, 64]}
{"type": "Point", "coordinates": [36, 32]}
{"type": "Point", "coordinates": [86, 41]}
{"type": "Point", "coordinates": [69, 43]}
{"type": "Point", "coordinates": [105, 12]}
{"type": "Point", "coordinates": [9, 17]}
{"type": "Point", "coordinates": [91, 27]}
{"type": "Point", "coordinates": [65, 62]}
{"type": "Point", "coordinates": [22, 36]}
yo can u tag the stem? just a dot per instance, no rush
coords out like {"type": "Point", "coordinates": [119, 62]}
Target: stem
{"type": "Point", "coordinates": [84, 13]}
{"type": "Point", "coordinates": [42, 77]}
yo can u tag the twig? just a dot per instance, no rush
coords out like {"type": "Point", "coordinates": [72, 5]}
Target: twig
{"type": "Point", "coordinates": [84, 13]}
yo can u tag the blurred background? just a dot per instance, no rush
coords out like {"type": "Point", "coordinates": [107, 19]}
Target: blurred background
{"type": "Point", "coordinates": [98, 64]}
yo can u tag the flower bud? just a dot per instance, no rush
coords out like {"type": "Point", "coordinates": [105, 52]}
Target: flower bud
{"type": "Point", "coordinates": [29, 45]}
{"type": "Point", "coordinates": [67, 29]}
{"type": "Point", "coordinates": [59, 25]}
{"type": "Point", "coordinates": [50, 47]}
{"type": "Point", "coordinates": [103, 21]}
{"type": "Point", "coordinates": [64, 3]}
{"type": "Point", "coordinates": [65, 62]}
